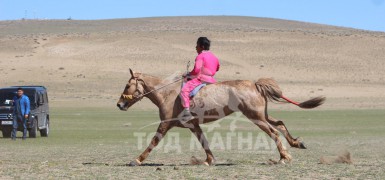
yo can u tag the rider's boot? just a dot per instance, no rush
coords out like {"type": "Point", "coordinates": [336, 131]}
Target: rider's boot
{"type": "Point", "coordinates": [186, 115]}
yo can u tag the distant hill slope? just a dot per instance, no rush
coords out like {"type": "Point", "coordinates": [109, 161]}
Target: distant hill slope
{"type": "Point", "coordinates": [214, 23]}
{"type": "Point", "coordinates": [86, 61]}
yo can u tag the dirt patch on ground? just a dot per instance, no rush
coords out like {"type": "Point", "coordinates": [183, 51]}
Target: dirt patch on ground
{"type": "Point", "coordinates": [343, 157]}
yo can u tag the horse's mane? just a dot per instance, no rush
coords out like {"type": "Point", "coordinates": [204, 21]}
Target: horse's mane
{"type": "Point", "coordinates": [159, 80]}
{"type": "Point", "coordinates": [173, 77]}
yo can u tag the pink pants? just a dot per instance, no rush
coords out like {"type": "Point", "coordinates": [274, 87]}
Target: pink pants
{"type": "Point", "coordinates": [186, 89]}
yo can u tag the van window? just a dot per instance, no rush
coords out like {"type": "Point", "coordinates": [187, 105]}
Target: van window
{"type": "Point", "coordinates": [45, 97]}
{"type": "Point", "coordinates": [6, 97]}
{"type": "Point", "coordinates": [41, 97]}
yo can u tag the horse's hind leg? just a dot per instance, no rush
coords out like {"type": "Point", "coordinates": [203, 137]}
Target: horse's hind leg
{"type": "Point", "coordinates": [259, 118]}
{"type": "Point", "coordinates": [197, 131]}
{"type": "Point", "coordinates": [278, 124]}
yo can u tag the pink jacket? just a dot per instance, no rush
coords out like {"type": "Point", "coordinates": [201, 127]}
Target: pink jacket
{"type": "Point", "coordinates": [206, 65]}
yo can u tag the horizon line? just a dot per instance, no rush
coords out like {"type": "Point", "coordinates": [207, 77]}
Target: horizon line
{"type": "Point", "coordinates": [148, 17]}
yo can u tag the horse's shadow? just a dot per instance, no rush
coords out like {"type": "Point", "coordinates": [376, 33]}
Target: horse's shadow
{"type": "Point", "coordinates": [149, 164]}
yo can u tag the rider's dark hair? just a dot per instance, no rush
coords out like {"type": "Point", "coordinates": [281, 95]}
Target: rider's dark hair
{"type": "Point", "coordinates": [204, 43]}
{"type": "Point", "coordinates": [20, 89]}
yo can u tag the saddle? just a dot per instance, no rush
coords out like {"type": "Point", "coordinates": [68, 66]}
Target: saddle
{"type": "Point", "coordinates": [196, 90]}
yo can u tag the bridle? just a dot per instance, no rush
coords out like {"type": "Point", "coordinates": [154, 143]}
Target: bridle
{"type": "Point", "coordinates": [143, 94]}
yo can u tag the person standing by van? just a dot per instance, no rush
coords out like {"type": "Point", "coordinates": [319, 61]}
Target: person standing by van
{"type": "Point", "coordinates": [21, 109]}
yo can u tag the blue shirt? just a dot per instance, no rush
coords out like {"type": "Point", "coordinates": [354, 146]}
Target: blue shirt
{"type": "Point", "coordinates": [22, 104]}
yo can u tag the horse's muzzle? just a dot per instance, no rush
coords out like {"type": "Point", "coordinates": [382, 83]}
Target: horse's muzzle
{"type": "Point", "coordinates": [121, 106]}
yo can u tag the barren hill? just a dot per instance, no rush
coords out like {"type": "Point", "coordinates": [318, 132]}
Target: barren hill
{"type": "Point", "coordinates": [87, 62]}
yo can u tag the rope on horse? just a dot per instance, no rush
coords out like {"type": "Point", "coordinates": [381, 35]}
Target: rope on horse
{"type": "Point", "coordinates": [130, 97]}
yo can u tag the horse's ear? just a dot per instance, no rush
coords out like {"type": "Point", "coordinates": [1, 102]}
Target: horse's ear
{"type": "Point", "coordinates": [131, 72]}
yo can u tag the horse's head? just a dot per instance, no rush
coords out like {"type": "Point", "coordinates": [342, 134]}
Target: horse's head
{"type": "Point", "coordinates": [132, 93]}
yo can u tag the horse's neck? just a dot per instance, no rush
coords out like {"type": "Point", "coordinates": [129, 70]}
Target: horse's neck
{"type": "Point", "coordinates": [160, 96]}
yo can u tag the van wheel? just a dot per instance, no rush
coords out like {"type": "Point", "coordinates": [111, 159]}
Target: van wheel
{"type": "Point", "coordinates": [7, 130]}
{"type": "Point", "coordinates": [32, 131]}
{"type": "Point", "coordinates": [45, 132]}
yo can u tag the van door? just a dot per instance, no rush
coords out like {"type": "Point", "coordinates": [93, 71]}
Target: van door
{"type": "Point", "coordinates": [46, 106]}
{"type": "Point", "coordinates": [45, 109]}
{"type": "Point", "coordinates": [40, 110]}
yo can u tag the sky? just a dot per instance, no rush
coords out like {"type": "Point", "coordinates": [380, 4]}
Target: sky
{"type": "Point", "coordinates": [360, 14]}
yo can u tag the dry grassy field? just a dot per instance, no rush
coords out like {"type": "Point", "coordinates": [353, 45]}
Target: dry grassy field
{"type": "Point", "coordinates": [98, 143]}
{"type": "Point", "coordinates": [84, 65]}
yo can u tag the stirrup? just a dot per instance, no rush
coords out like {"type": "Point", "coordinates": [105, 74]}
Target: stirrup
{"type": "Point", "coordinates": [187, 118]}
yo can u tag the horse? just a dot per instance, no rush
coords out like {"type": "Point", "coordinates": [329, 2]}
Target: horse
{"type": "Point", "coordinates": [211, 103]}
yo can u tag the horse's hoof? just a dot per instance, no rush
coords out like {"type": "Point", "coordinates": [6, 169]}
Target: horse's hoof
{"type": "Point", "coordinates": [208, 163]}
{"type": "Point", "coordinates": [286, 158]}
{"type": "Point", "coordinates": [134, 163]}
{"type": "Point", "coordinates": [302, 145]}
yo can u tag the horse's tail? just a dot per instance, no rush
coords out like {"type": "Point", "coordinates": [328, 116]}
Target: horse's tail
{"type": "Point", "coordinates": [270, 89]}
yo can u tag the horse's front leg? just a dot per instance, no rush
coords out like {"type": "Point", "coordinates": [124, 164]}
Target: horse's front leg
{"type": "Point", "coordinates": [160, 133]}
{"type": "Point", "coordinates": [197, 131]}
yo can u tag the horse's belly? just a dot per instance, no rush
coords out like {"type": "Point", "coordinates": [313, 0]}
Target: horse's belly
{"type": "Point", "coordinates": [212, 108]}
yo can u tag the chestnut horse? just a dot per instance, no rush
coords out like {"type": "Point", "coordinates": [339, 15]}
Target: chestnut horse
{"type": "Point", "coordinates": [211, 103]}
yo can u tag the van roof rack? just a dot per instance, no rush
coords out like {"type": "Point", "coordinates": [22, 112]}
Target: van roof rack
{"type": "Point", "coordinates": [29, 86]}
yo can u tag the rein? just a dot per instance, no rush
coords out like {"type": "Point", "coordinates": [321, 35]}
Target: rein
{"type": "Point", "coordinates": [130, 97]}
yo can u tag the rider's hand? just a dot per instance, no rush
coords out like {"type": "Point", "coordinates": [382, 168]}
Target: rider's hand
{"type": "Point", "coordinates": [26, 116]}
